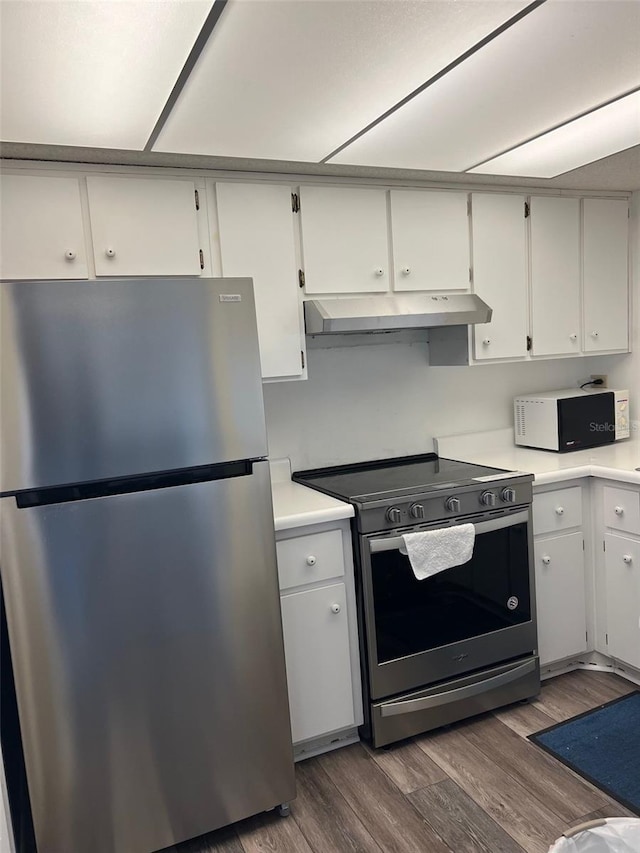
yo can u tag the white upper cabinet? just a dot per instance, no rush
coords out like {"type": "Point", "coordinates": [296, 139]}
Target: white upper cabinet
{"type": "Point", "coordinates": [345, 246]}
{"type": "Point", "coordinates": [555, 275]}
{"type": "Point", "coordinates": [143, 226]}
{"type": "Point", "coordinates": [430, 234]}
{"type": "Point", "coordinates": [41, 232]}
{"type": "Point", "coordinates": [255, 223]}
{"type": "Point", "coordinates": [605, 273]}
{"type": "Point", "coordinates": [500, 274]}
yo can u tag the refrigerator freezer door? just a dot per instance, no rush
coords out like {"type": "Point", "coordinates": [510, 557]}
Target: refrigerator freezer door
{"type": "Point", "coordinates": [106, 379]}
{"type": "Point", "coordinates": [149, 665]}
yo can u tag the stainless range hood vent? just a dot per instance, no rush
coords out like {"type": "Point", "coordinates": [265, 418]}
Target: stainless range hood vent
{"type": "Point", "coordinates": [390, 313]}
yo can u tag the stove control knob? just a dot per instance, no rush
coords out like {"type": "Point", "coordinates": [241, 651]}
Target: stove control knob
{"type": "Point", "coordinates": [394, 515]}
{"type": "Point", "coordinates": [488, 499]}
{"type": "Point", "coordinates": [452, 504]}
{"type": "Point", "coordinates": [508, 496]}
{"type": "Point", "coordinates": [416, 511]}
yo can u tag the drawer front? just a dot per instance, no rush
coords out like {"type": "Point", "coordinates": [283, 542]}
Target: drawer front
{"type": "Point", "coordinates": [622, 509]}
{"type": "Point", "coordinates": [557, 510]}
{"type": "Point", "coordinates": [311, 558]}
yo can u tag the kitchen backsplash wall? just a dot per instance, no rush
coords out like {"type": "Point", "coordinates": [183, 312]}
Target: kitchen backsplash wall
{"type": "Point", "coordinates": [367, 402]}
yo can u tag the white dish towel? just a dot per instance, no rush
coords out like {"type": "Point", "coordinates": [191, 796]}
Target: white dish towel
{"type": "Point", "coordinates": [433, 551]}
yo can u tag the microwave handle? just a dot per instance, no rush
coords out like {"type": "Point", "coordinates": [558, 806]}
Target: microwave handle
{"type": "Point", "coordinates": [397, 542]}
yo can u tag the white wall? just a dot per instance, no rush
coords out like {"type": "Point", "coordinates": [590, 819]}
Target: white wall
{"type": "Point", "coordinates": [367, 402]}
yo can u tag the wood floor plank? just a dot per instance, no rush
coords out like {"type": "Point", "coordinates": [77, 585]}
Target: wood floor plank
{"type": "Point", "coordinates": [270, 833]}
{"type": "Point", "coordinates": [460, 822]}
{"type": "Point", "coordinates": [408, 766]}
{"type": "Point", "coordinates": [563, 698]}
{"type": "Point", "coordinates": [551, 782]}
{"type": "Point", "coordinates": [525, 719]}
{"type": "Point", "coordinates": [388, 815]}
{"type": "Point", "coordinates": [522, 815]}
{"type": "Point", "coordinates": [324, 816]}
{"type": "Point", "coordinates": [613, 683]}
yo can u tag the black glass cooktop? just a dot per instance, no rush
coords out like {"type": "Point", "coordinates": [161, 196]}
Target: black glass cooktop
{"type": "Point", "coordinates": [381, 478]}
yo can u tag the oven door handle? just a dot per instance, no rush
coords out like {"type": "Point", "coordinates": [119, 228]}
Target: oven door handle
{"type": "Point", "coordinates": [396, 543]}
{"type": "Point", "coordinates": [423, 703]}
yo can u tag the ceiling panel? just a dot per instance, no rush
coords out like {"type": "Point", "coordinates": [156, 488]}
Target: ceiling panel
{"type": "Point", "coordinates": [294, 80]}
{"type": "Point", "coordinates": [610, 129]}
{"type": "Point", "coordinates": [91, 72]}
{"type": "Point", "coordinates": [565, 57]}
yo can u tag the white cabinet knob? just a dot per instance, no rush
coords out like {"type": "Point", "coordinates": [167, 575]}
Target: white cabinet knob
{"type": "Point", "coordinates": [110, 253]}
{"type": "Point", "coordinates": [406, 270]}
{"type": "Point", "coordinates": [573, 337]}
{"type": "Point", "coordinates": [546, 559]}
{"type": "Point", "coordinates": [311, 560]}
{"type": "Point", "coordinates": [70, 255]}
{"type": "Point", "coordinates": [379, 271]}
{"type": "Point", "coordinates": [559, 510]}
{"type": "Point", "coordinates": [619, 510]}
{"type": "Point", "coordinates": [335, 608]}
{"type": "Point", "coordinates": [627, 559]}
{"type": "Point", "coordinates": [486, 341]}
{"type": "Point", "coordinates": [594, 334]}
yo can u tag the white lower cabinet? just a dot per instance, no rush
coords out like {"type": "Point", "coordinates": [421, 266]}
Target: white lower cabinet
{"type": "Point", "coordinates": [320, 636]}
{"type": "Point", "coordinates": [560, 596]}
{"type": "Point", "coordinates": [622, 585]}
{"type": "Point", "coordinates": [316, 639]}
{"type": "Point", "coordinates": [559, 558]}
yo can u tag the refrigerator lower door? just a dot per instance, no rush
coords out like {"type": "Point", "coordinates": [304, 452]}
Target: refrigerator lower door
{"type": "Point", "coordinates": [146, 642]}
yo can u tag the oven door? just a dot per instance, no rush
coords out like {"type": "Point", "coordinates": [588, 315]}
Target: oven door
{"type": "Point", "coordinates": [470, 616]}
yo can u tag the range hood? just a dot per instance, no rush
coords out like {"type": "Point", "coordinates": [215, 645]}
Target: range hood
{"type": "Point", "coordinates": [389, 313]}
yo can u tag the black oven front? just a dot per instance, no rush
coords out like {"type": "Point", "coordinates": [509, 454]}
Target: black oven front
{"type": "Point", "coordinates": [447, 646]}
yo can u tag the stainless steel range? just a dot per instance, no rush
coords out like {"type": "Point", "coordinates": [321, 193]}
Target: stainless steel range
{"type": "Point", "coordinates": [462, 641]}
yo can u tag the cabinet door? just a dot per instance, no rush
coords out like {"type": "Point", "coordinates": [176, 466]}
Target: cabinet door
{"type": "Point", "coordinates": [41, 231]}
{"type": "Point", "coordinates": [605, 273]}
{"type": "Point", "coordinates": [143, 226]}
{"type": "Point", "coordinates": [256, 239]}
{"type": "Point", "coordinates": [316, 644]}
{"type": "Point", "coordinates": [622, 569]}
{"type": "Point", "coordinates": [555, 275]}
{"type": "Point", "coordinates": [344, 240]}
{"type": "Point", "coordinates": [500, 274]}
{"type": "Point", "coordinates": [430, 233]}
{"type": "Point", "coordinates": [560, 597]}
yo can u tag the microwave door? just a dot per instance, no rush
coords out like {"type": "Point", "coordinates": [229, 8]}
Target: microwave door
{"type": "Point", "coordinates": [586, 421]}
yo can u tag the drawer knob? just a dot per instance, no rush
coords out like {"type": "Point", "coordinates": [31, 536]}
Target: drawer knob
{"type": "Point", "coordinates": [627, 559]}
{"type": "Point", "coordinates": [546, 559]}
{"type": "Point", "coordinates": [619, 510]}
{"type": "Point", "coordinates": [594, 334]}
{"type": "Point", "coordinates": [70, 255]}
{"type": "Point", "coordinates": [335, 608]}
{"type": "Point", "coordinates": [311, 560]}
{"type": "Point", "coordinates": [110, 253]}
{"type": "Point", "coordinates": [559, 510]}
{"type": "Point", "coordinates": [406, 270]}
{"type": "Point", "coordinates": [379, 272]}
{"type": "Point", "coordinates": [573, 337]}
{"type": "Point", "coordinates": [486, 341]}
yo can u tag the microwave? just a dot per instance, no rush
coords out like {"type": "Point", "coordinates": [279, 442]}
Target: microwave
{"type": "Point", "coordinates": [573, 419]}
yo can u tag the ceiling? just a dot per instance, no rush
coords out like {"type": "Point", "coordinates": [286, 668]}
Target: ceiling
{"type": "Point", "coordinates": [458, 91]}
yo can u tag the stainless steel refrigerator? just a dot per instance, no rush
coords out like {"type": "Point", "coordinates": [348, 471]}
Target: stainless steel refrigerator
{"type": "Point", "coordinates": [138, 561]}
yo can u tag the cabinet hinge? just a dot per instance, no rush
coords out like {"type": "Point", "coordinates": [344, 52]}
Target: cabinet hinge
{"type": "Point", "coordinates": [604, 545]}
{"type": "Point", "coordinates": [302, 358]}
{"type": "Point", "coordinates": [529, 343]}
{"type": "Point", "coordinates": [527, 210]}
{"type": "Point", "coordinates": [201, 259]}
{"type": "Point", "coordinates": [295, 202]}
{"type": "Point", "coordinates": [606, 639]}
{"type": "Point", "coordinates": [583, 544]}
{"type": "Point", "coordinates": [197, 200]}
{"type": "Point", "coordinates": [301, 278]}
{"type": "Point", "coordinates": [470, 275]}
{"type": "Point", "coordinates": [468, 207]}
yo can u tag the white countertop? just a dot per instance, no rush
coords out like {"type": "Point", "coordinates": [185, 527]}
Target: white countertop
{"type": "Point", "coordinates": [297, 506]}
{"type": "Point", "coordinates": [497, 449]}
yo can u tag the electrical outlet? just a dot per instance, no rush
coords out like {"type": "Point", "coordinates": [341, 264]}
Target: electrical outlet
{"type": "Point", "coordinates": [602, 376]}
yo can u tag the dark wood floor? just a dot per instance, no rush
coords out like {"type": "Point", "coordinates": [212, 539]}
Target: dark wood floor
{"type": "Point", "coordinates": [476, 787]}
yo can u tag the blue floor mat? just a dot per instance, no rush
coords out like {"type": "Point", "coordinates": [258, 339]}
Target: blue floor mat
{"type": "Point", "coordinates": [603, 746]}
